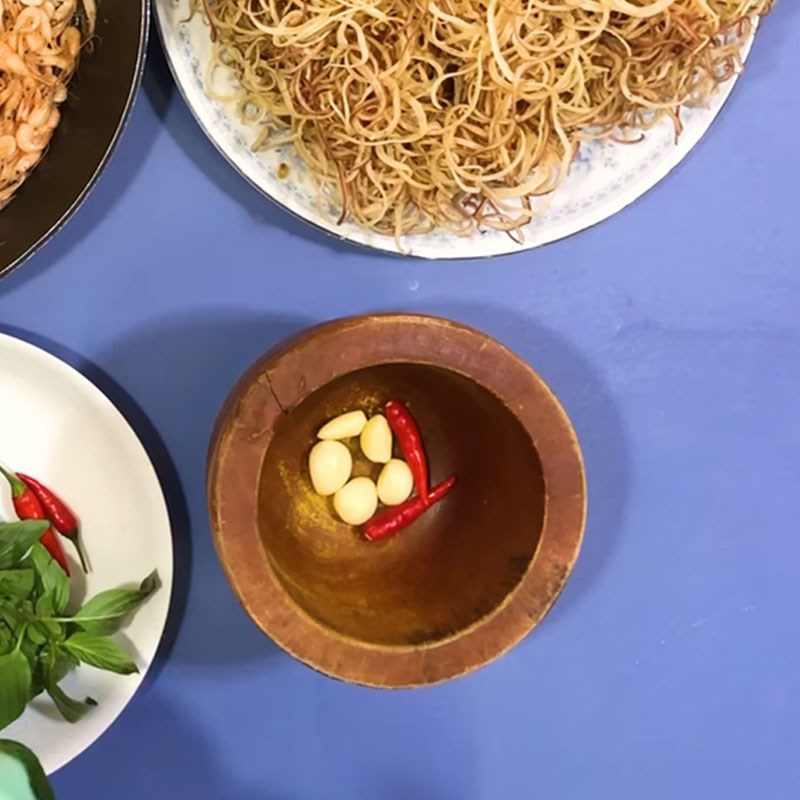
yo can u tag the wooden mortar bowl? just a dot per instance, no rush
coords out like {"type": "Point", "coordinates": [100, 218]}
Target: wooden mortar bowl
{"type": "Point", "coordinates": [466, 581]}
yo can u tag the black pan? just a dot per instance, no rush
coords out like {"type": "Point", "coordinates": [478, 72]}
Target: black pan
{"type": "Point", "coordinates": [100, 99]}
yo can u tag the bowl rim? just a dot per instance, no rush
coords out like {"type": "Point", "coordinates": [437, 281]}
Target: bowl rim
{"type": "Point", "coordinates": [80, 198]}
{"type": "Point", "coordinates": [243, 432]}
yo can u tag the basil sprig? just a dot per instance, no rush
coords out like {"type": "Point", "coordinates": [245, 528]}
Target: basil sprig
{"type": "Point", "coordinates": [40, 642]}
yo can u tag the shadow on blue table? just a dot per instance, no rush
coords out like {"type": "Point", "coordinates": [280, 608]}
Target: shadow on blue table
{"type": "Point", "coordinates": [158, 752]}
{"type": "Point", "coordinates": [181, 369]}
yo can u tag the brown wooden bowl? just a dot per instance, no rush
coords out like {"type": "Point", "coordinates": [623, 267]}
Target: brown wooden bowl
{"type": "Point", "coordinates": [466, 581]}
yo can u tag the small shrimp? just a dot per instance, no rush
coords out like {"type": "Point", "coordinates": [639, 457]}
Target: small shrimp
{"type": "Point", "coordinates": [40, 114]}
{"type": "Point", "coordinates": [29, 139]}
{"type": "Point", "coordinates": [35, 42]}
{"type": "Point", "coordinates": [12, 63]}
{"type": "Point", "coordinates": [7, 193]}
{"type": "Point", "coordinates": [63, 11]}
{"type": "Point", "coordinates": [11, 103]}
{"type": "Point", "coordinates": [27, 161]}
{"type": "Point", "coordinates": [58, 61]}
{"type": "Point", "coordinates": [51, 123]}
{"type": "Point", "coordinates": [71, 42]}
{"type": "Point", "coordinates": [62, 16]}
{"type": "Point", "coordinates": [6, 92]}
{"type": "Point", "coordinates": [33, 19]}
{"type": "Point", "coordinates": [8, 146]}
{"type": "Point", "coordinates": [90, 9]}
{"type": "Point", "coordinates": [24, 108]}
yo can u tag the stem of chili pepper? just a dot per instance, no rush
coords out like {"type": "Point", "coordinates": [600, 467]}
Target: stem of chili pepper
{"type": "Point", "coordinates": [27, 506]}
{"type": "Point", "coordinates": [59, 513]}
{"type": "Point", "coordinates": [393, 520]}
{"type": "Point", "coordinates": [410, 440]}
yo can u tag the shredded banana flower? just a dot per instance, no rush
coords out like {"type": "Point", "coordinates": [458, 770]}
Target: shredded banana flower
{"type": "Point", "coordinates": [418, 114]}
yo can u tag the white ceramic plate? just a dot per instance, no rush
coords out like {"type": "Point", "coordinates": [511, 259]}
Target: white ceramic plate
{"type": "Point", "coordinates": [605, 179]}
{"type": "Point", "coordinates": [57, 426]}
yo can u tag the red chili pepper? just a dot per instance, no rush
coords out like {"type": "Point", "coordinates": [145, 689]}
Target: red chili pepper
{"type": "Point", "coordinates": [393, 520]}
{"type": "Point", "coordinates": [410, 440]}
{"type": "Point", "coordinates": [59, 513]}
{"type": "Point", "coordinates": [27, 506]}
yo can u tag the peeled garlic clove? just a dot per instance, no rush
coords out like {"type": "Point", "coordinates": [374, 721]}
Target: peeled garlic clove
{"type": "Point", "coordinates": [344, 426]}
{"type": "Point", "coordinates": [357, 501]}
{"type": "Point", "coordinates": [395, 483]}
{"type": "Point", "coordinates": [376, 439]}
{"type": "Point", "coordinates": [330, 465]}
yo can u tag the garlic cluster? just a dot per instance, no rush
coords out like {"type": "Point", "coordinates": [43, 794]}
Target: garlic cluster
{"type": "Point", "coordinates": [330, 465]}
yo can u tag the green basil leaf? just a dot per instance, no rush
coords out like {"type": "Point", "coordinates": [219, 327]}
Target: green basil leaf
{"type": "Point", "coordinates": [72, 710]}
{"type": "Point", "coordinates": [52, 580]}
{"type": "Point", "coordinates": [11, 621]}
{"type": "Point", "coordinates": [100, 652]}
{"type": "Point", "coordinates": [37, 687]}
{"type": "Point", "coordinates": [15, 686]}
{"type": "Point", "coordinates": [16, 539]}
{"type": "Point", "coordinates": [31, 651]}
{"type": "Point", "coordinates": [7, 638]}
{"type": "Point", "coordinates": [45, 608]}
{"type": "Point", "coordinates": [16, 582]}
{"type": "Point", "coordinates": [36, 777]}
{"type": "Point", "coordinates": [150, 584]}
{"type": "Point", "coordinates": [63, 663]}
{"type": "Point", "coordinates": [106, 613]}
{"type": "Point", "coordinates": [35, 635]}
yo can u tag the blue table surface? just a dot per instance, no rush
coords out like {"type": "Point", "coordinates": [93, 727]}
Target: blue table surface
{"type": "Point", "coordinates": [670, 667]}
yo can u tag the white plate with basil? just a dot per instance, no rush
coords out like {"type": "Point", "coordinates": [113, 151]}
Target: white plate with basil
{"type": "Point", "coordinates": [82, 645]}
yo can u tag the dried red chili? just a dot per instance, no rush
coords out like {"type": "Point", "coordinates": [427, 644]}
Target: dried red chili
{"type": "Point", "coordinates": [27, 506]}
{"type": "Point", "coordinates": [59, 513]}
{"type": "Point", "coordinates": [408, 436]}
{"type": "Point", "coordinates": [394, 519]}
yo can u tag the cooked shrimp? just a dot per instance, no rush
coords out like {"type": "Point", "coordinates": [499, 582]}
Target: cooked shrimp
{"type": "Point", "coordinates": [8, 146]}
{"type": "Point", "coordinates": [39, 114]}
{"type": "Point", "coordinates": [33, 19]}
{"type": "Point", "coordinates": [29, 139]}
{"type": "Point", "coordinates": [39, 51]}
{"type": "Point", "coordinates": [90, 9]}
